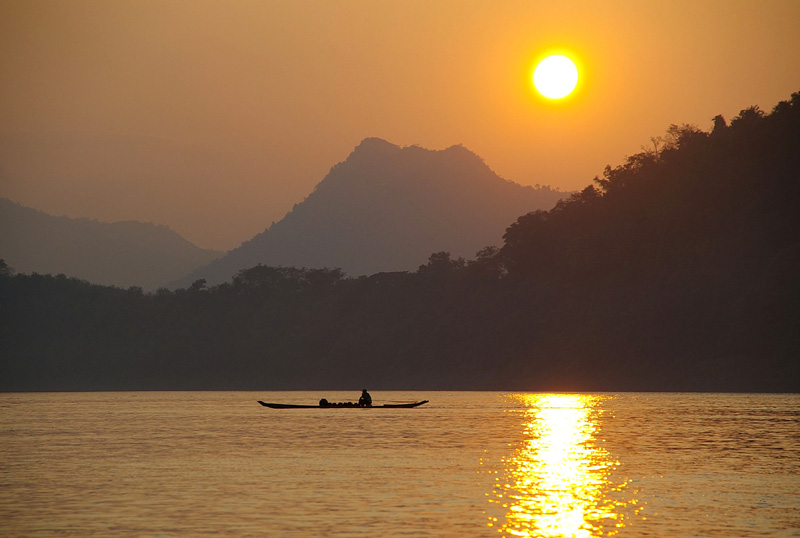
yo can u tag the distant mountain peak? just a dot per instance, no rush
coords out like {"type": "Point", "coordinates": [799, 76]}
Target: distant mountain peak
{"type": "Point", "coordinates": [373, 142]}
{"type": "Point", "coordinates": [379, 148]}
{"type": "Point", "coordinates": [371, 149]}
{"type": "Point", "coordinates": [387, 208]}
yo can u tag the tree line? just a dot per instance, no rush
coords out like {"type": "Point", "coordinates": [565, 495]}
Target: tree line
{"type": "Point", "coordinates": [675, 270]}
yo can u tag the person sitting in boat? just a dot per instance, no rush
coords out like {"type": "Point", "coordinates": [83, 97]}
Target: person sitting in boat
{"type": "Point", "coordinates": [365, 400]}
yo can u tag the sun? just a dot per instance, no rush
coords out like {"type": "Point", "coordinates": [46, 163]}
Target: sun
{"type": "Point", "coordinates": [555, 77]}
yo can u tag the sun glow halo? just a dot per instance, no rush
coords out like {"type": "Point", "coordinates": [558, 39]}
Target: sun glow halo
{"type": "Point", "coordinates": [555, 77]}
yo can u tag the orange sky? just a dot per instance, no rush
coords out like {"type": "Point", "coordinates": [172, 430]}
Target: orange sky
{"type": "Point", "coordinates": [236, 109]}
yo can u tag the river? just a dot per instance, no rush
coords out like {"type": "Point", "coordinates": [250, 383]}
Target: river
{"type": "Point", "coordinates": [467, 464]}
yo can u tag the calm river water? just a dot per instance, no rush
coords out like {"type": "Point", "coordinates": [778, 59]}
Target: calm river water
{"type": "Point", "coordinates": [468, 464]}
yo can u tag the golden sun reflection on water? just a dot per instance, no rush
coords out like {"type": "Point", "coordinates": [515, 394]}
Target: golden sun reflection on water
{"type": "Point", "coordinates": [558, 481]}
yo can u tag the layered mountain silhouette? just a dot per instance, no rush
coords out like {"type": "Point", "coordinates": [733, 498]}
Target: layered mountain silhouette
{"type": "Point", "coordinates": [121, 254]}
{"type": "Point", "coordinates": [387, 208]}
{"type": "Point", "coordinates": [675, 270]}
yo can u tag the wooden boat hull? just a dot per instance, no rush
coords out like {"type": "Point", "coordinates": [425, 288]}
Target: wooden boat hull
{"type": "Point", "coordinates": [384, 406]}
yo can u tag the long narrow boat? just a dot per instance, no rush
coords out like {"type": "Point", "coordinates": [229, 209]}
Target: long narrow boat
{"type": "Point", "coordinates": [334, 406]}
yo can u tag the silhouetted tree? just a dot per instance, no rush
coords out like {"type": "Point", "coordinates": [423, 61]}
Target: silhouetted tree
{"type": "Point", "coordinates": [440, 264]}
{"type": "Point", "coordinates": [720, 125]}
{"type": "Point", "coordinates": [198, 285]}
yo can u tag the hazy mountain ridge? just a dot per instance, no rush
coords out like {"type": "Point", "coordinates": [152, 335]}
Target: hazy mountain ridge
{"type": "Point", "coordinates": [387, 208]}
{"type": "Point", "coordinates": [677, 270]}
{"type": "Point", "coordinates": [123, 254]}
{"type": "Point", "coordinates": [117, 177]}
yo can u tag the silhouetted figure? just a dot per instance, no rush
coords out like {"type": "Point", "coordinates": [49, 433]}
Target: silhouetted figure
{"type": "Point", "coordinates": [365, 400]}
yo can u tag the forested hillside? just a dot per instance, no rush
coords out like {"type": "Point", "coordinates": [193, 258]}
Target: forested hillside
{"type": "Point", "coordinates": [676, 270]}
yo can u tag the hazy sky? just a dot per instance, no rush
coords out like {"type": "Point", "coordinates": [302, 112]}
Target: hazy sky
{"type": "Point", "coordinates": [215, 117]}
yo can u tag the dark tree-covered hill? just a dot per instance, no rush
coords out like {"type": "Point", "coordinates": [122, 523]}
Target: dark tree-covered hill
{"type": "Point", "coordinates": [676, 270]}
{"type": "Point", "coordinates": [681, 265]}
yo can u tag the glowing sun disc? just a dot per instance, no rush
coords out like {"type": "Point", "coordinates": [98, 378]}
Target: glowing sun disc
{"type": "Point", "coordinates": [555, 77]}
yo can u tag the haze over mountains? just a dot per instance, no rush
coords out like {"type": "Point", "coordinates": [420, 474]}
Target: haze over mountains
{"type": "Point", "coordinates": [115, 177]}
{"type": "Point", "coordinates": [387, 208]}
{"type": "Point", "coordinates": [122, 254]}
{"type": "Point", "coordinates": [676, 270]}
